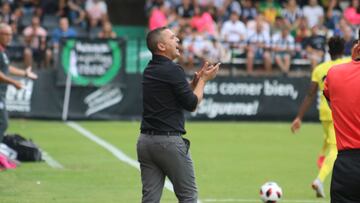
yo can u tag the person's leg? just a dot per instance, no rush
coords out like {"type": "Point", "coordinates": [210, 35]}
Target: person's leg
{"type": "Point", "coordinates": [287, 63]}
{"type": "Point", "coordinates": [345, 181]}
{"type": "Point", "coordinates": [152, 177]}
{"type": "Point", "coordinates": [28, 57]}
{"type": "Point", "coordinates": [330, 156]}
{"type": "Point", "coordinates": [279, 62]}
{"type": "Point", "coordinates": [3, 119]}
{"type": "Point", "coordinates": [250, 60]}
{"type": "Point", "coordinates": [329, 160]}
{"type": "Point", "coordinates": [178, 166]}
{"type": "Point", "coordinates": [267, 61]}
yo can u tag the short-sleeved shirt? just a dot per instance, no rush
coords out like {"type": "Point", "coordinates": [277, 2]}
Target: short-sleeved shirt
{"type": "Point", "coordinates": [166, 93]}
{"type": "Point", "coordinates": [342, 89]}
{"type": "Point", "coordinates": [4, 68]}
{"type": "Point", "coordinates": [318, 76]}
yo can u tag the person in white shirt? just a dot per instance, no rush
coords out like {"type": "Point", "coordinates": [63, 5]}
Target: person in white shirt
{"type": "Point", "coordinates": [233, 31]}
{"type": "Point", "coordinates": [314, 13]}
{"type": "Point", "coordinates": [283, 46]}
{"type": "Point", "coordinates": [258, 48]}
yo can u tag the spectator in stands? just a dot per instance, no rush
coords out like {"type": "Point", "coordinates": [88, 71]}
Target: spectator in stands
{"type": "Point", "coordinates": [233, 32]}
{"type": "Point", "coordinates": [185, 11]}
{"type": "Point", "coordinates": [107, 32]}
{"type": "Point", "coordinates": [292, 14]}
{"type": "Point", "coordinates": [96, 11]}
{"type": "Point", "coordinates": [203, 22]}
{"type": "Point", "coordinates": [226, 8]}
{"type": "Point", "coordinates": [74, 11]}
{"type": "Point", "coordinates": [35, 43]}
{"type": "Point", "coordinates": [248, 11]}
{"type": "Point", "coordinates": [158, 17]}
{"type": "Point", "coordinates": [352, 13]}
{"type": "Point", "coordinates": [251, 24]}
{"type": "Point", "coordinates": [349, 39]}
{"type": "Point", "coordinates": [315, 47]}
{"type": "Point", "coordinates": [333, 14]}
{"type": "Point", "coordinates": [50, 7]}
{"type": "Point", "coordinates": [314, 13]}
{"type": "Point", "coordinates": [62, 31]}
{"type": "Point", "coordinates": [283, 46]}
{"type": "Point", "coordinates": [5, 12]}
{"type": "Point", "coordinates": [258, 48]}
{"type": "Point", "coordinates": [270, 9]}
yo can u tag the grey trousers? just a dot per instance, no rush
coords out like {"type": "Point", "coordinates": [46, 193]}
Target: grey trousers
{"type": "Point", "coordinates": [161, 156]}
{"type": "Point", "coordinates": [3, 118]}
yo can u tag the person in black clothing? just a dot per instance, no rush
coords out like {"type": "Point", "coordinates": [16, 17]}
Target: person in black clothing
{"type": "Point", "coordinates": [5, 69]}
{"type": "Point", "coordinates": [161, 149]}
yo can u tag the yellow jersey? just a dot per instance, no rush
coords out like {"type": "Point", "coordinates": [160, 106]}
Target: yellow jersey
{"type": "Point", "coordinates": [318, 75]}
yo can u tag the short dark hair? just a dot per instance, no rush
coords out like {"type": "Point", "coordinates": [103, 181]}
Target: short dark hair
{"type": "Point", "coordinates": [355, 42]}
{"type": "Point", "coordinates": [153, 38]}
{"type": "Point", "coordinates": [336, 45]}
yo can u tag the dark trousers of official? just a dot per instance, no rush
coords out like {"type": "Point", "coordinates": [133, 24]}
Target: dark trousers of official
{"type": "Point", "coordinates": [3, 119]}
{"type": "Point", "coordinates": [345, 182]}
{"type": "Point", "coordinates": [161, 156]}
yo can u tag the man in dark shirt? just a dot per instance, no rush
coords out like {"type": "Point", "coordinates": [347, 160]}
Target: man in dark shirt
{"type": "Point", "coordinates": [166, 93]}
{"type": "Point", "coordinates": [5, 69]}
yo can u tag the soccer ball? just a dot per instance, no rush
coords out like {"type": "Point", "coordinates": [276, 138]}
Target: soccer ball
{"type": "Point", "coordinates": [270, 192]}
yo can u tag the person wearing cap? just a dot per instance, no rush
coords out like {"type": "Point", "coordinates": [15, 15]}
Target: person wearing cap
{"type": "Point", "coordinates": [161, 149]}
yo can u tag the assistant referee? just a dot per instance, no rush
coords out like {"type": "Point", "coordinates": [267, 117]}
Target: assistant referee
{"type": "Point", "coordinates": [342, 89]}
{"type": "Point", "coordinates": [161, 149]}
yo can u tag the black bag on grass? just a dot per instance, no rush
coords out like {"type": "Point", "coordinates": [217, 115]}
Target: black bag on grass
{"type": "Point", "coordinates": [26, 149]}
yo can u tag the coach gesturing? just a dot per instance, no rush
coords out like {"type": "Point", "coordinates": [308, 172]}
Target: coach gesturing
{"type": "Point", "coordinates": [161, 149]}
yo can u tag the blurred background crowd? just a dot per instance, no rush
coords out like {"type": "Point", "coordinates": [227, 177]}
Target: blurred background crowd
{"type": "Point", "coordinates": [38, 26]}
{"type": "Point", "coordinates": [272, 34]}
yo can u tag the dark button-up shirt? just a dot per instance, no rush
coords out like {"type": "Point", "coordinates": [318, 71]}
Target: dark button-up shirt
{"type": "Point", "coordinates": [166, 93]}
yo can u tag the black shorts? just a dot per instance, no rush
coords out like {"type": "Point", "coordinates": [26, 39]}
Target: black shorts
{"type": "Point", "coordinates": [345, 182]}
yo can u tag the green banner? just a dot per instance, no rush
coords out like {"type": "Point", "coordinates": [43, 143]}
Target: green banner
{"type": "Point", "coordinates": [91, 62]}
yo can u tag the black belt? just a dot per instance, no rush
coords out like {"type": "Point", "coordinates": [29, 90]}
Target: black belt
{"type": "Point", "coordinates": [154, 132]}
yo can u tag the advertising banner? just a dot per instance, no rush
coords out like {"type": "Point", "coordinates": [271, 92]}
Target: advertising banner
{"type": "Point", "coordinates": [94, 62]}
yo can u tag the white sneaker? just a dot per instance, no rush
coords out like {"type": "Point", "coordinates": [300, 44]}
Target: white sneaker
{"type": "Point", "coordinates": [317, 185]}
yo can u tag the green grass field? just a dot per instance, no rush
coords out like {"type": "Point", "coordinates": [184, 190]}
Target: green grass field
{"type": "Point", "coordinates": [232, 160]}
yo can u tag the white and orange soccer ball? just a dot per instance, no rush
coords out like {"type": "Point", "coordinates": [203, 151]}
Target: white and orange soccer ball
{"type": "Point", "coordinates": [270, 192]}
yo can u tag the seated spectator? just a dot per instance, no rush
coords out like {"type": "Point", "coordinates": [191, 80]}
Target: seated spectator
{"type": "Point", "coordinates": [315, 47]}
{"type": "Point", "coordinates": [248, 11]}
{"type": "Point", "coordinates": [283, 46]}
{"type": "Point", "coordinates": [185, 11]}
{"type": "Point", "coordinates": [73, 10]}
{"type": "Point", "coordinates": [333, 14]}
{"type": "Point", "coordinates": [251, 24]}
{"type": "Point", "coordinates": [258, 48]}
{"type": "Point", "coordinates": [226, 8]}
{"type": "Point", "coordinates": [292, 14]}
{"type": "Point", "coordinates": [270, 9]}
{"type": "Point", "coordinates": [314, 13]}
{"type": "Point", "coordinates": [352, 13]}
{"type": "Point", "coordinates": [35, 43]}
{"type": "Point", "coordinates": [5, 12]}
{"type": "Point", "coordinates": [349, 39]}
{"type": "Point", "coordinates": [233, 32]}
{"type": "Point", "coordinates": [96, 11]}
{"type": "Point", "coordinates": [107, 32]}
{"type": "Point", "coordinates": [62, 31]}
{"type": "Point", "coordinates": [158, 17]}
{"type": "Point", "coordinates": [203, 22]}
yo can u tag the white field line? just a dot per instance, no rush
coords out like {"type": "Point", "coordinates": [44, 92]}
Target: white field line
{"type": "Point", "coordinates": [111, 148]}
{"type": "Point", "coordinates": [50, 161]}
{"type": "Point", "coordinates": [258, 200]}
